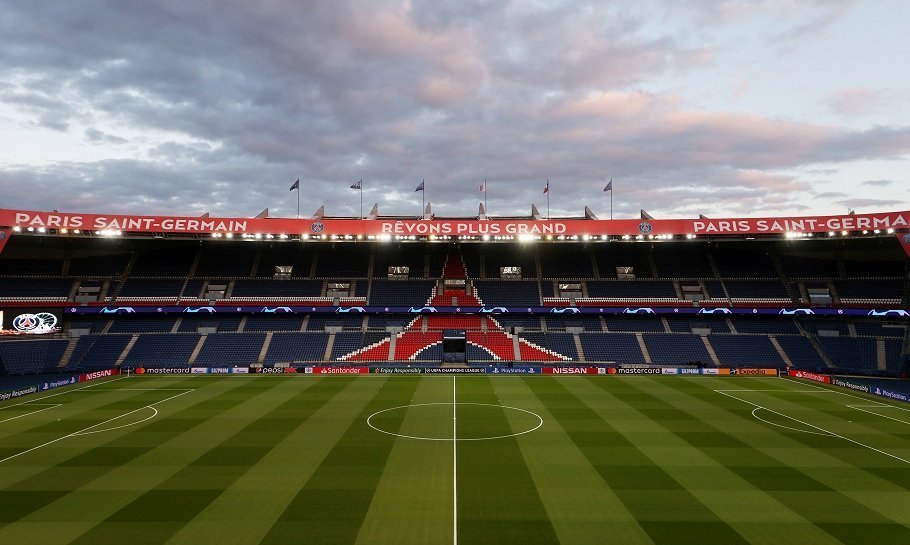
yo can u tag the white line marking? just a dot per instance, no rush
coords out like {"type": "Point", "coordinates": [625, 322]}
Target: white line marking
{"type": "Point", "coordinates": [786, 427]}
{"type": "Point", "coordinates": [831, 433]}
{"type": "Point", "coordinates": [837, 390]}
{"type": "Point", "coordinates": [380, 430]}
{"type": "Point", "coordinates": [33, 412]}
{"type": "Point", "coordinates": [154, 414]}
{"type": "Point", "coordinates": [859, 408]}
{"type": "Point", "coordinates": [63, 392]}
{"type": "Point", "coordinates": [454, 466]}
{"type": "Point", "coordinates": [84, 430]}
{"type": "Point", "coordinates": [783, 391]}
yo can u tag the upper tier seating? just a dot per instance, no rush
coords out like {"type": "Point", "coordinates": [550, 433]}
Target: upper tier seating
{"type": "Point", "coordinates": [569, 261]}
{"type": "Point", "coordinates": [412, 256]}
{"type": "Point", "coordinates": [341, 261]}
{"type": "Point", "coordinates": [36, 288]}
{"type": "Point", "coordinates": [620, 289]}
{"type": "Point", "coordinates": [636, 256]}
{"type": "Point", "coordinates": [682, 262]}
{"type": "Point", "coordinates": [508, 292]}
{"type": "Point", "coordinates": [277, 289]}
{"type": "Point", "coordinates": [407, 293]}
{"type": "Point", "coordinates": [175, 261]}
{"type": "Point", "coordinates": [225, 260]}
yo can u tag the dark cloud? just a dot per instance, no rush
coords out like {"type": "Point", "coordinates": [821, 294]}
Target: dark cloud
{"type": "Point", "coordinates": [223, 104]}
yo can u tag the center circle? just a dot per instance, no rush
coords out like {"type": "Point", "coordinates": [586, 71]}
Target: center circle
{"type": "Point", "coordinates": [437, 422]}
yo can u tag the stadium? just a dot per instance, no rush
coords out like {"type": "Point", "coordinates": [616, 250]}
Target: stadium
{"type": "Point", "coordinates": [331, 379]}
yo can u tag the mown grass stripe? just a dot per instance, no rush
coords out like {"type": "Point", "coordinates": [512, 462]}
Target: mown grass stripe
{"type": "Point", "coordinates": [419, 470]}
{"type": "Point", "coordinates": [668, 512]}
{"type": "Point", "coordinates": [331, 506]}
{"type": "Point", "coordinates": [496, 493]}
{"type": "Point", "coordinates": [246, 511]}
{"type": "Point", "coordinates": [81, 496]}
{"type": "Point", "coordinates": [812, 499]}
{"type": "Point", "coordinates": [579, 505]}
{"type": "Point", "coordinates": [37, 490]}
{"type": "Point", "coordinates": [183, 495]}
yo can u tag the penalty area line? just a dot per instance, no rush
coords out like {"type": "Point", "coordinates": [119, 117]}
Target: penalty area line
{"type": "Point", "coordinates": [820, 429]}
{"type": "Point", "coordinates": [85, 431]}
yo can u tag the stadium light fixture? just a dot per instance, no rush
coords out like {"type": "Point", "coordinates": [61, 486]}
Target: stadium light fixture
{"type": "Point", "coordinates": [258, 236]}
{"type": "Point", "coordinates": [625, 237]}
{"type": "Point", "coordinates": [76, 231]}
{"type": "Point", "coordinates": [64, 231]}
{"type": "Point", "coordinates": [17, 229]}
{"type": "Point", "coordinates": [525, 237]}
{"type": "Point", "coordinates": [877, 231]}
{"type": "Point", "coordinates": [843, 233]}
{"type": "Point", "coordinates": [31, 229]}
{"type": "Point", "coordinates": [229, 235]}
{"type": "Point", "coordinates": [831, 233]}
{"type": "Point", "coordinates": [42, 230]}
{"type": "Point", "coordinates": [865, 231]}
{"type": "Point", "coordinates": [487, 237]}
{"type": "Point", "coordinates": [283, 236]}
{"type": "Point", "coordinates": [890, 231]}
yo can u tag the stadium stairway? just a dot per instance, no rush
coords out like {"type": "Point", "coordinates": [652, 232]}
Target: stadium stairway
{"type": "Point", "coordinates": [483, 332]}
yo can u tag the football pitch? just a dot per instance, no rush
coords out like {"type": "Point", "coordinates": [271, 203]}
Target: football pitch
{"type": "Point", "coordinates": [444, 460]}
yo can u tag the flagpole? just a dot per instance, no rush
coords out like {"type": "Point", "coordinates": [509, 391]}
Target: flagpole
{"type": "Point", "coordinates": [361, 198]}
{"type": "Point", "coordinates": [548, 198]}
{"type": "Point", "coordinates": [486, 209]}
{"type": "Point", "coordinates": [298, 202]}
{"type": "Point", "coordinates": [423, 198]}
{"type": "Point", "coordinates": [611, 199]}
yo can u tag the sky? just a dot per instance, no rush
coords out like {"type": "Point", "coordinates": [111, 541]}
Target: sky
{"type": "Point", "coordinates": [715, 107]}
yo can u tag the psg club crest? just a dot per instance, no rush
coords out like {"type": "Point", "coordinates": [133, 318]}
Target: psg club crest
{"type": "Point", "coordinates": [645, 228]}
{"type": "Point", "coordinates": [317, 227]}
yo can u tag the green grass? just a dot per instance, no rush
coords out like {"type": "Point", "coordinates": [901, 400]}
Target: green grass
{"type": "Point", "coordinates": [624, 460]}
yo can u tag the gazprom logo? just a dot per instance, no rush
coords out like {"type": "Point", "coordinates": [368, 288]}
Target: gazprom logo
{"type": "Point", "coordinates": [645, 228]}
{"type": "Point", "coordinates": [317, 227]}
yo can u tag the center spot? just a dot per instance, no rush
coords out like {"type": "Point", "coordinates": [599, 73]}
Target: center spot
{"type": "Point", "coordinates": [470, 421]}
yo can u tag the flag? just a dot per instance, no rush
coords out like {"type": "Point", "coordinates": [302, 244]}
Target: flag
{"type": "Point", "coordinates": [609, 186]}
{"type": "Point", "coordinates": [296, 185]}
{"type": "Point", "coordinates": [546, 188]}
{"type": "Point", "coordinates": [420, 187]}
{"type": "Point", "coordinates": [357, 184]}
{"type": "Point", "coordinates": [483, 187]}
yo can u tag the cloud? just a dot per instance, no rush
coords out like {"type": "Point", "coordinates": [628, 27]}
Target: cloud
{"type": "Point", "coordinates": [878, 183]}
{"type": "Point", "coordinates": [855, 101]}
{"type": "Point", "coordinates": [219, 107]}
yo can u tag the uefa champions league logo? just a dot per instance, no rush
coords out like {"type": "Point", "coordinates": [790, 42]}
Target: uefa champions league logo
{"type": "Point", "coordinates": [317, 227]}
{"type": "Point", "coordinates": [645, 228]}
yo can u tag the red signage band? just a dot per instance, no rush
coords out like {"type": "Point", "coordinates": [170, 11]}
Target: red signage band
{"type": "Point", "coordinates": [25, 219]}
